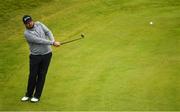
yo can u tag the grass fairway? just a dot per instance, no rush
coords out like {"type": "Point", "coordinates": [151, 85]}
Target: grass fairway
{"type": "Point", "coordinates": [124, 63]}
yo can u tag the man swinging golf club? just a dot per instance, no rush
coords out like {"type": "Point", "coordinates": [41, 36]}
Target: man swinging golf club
{"type": "Point", "coordinates": [40, 39]}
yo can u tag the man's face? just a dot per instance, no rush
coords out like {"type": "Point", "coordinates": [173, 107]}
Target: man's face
{"type": "Point", "coordinates": [29, 24]}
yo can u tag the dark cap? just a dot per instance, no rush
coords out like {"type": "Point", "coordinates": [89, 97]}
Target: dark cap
{"type": "Point", "coordinates": [26, 19]}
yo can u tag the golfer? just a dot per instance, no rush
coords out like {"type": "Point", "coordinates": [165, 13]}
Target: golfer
{"type": "Point", "coordinates": [40, 39]}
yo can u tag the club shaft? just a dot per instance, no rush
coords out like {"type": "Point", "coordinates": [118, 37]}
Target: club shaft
{"type": "Point", "coordinates": [70, 41]}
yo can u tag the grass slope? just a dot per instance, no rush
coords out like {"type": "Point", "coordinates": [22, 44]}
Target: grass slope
{"type": "Point", "coordinates": [123, 64]}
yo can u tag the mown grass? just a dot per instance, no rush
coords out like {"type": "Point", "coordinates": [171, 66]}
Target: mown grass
{"type": "Point", "coordinates": [123, 63]}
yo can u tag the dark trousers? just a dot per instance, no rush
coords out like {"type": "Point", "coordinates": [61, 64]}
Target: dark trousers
{"type": "Point", "coordinates": [38, 69]}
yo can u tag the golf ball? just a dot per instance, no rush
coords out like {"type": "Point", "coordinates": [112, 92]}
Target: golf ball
{"type": "Point", "coordinates": [151, 23]}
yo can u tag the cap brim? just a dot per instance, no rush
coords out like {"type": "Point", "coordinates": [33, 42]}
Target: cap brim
{"type": "Point", "coordinates": [28, 21]}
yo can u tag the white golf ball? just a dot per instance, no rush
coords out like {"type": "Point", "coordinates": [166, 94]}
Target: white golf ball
{"type": "Point", "coordinates": [151, 23]}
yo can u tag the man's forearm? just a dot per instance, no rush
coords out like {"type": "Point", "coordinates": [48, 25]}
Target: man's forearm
{"type": "Point", "coordinates": [36, 40]}
{"type": "Point", "coordinates": [50, 35]}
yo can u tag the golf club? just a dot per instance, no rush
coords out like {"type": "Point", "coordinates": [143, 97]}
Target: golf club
{"type": "Point", "coordinates": [82, 36]}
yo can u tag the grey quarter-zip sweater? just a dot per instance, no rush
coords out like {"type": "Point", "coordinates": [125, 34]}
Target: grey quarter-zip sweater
{"type": "Point", "coordinates": [39, 38]}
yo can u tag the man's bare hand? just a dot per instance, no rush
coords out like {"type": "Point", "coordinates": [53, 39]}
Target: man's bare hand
{"type": "Point", "coordinates": [56, 44]}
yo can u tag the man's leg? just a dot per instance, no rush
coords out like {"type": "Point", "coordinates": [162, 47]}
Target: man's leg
{"type": "Point", "coordinates": [42, 74]}
{"type": "Point", "coordinates": [34, 66]}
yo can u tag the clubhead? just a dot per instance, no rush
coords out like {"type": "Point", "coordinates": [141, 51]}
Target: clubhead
{"type": "Point", "coordinates": [82, 35]}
